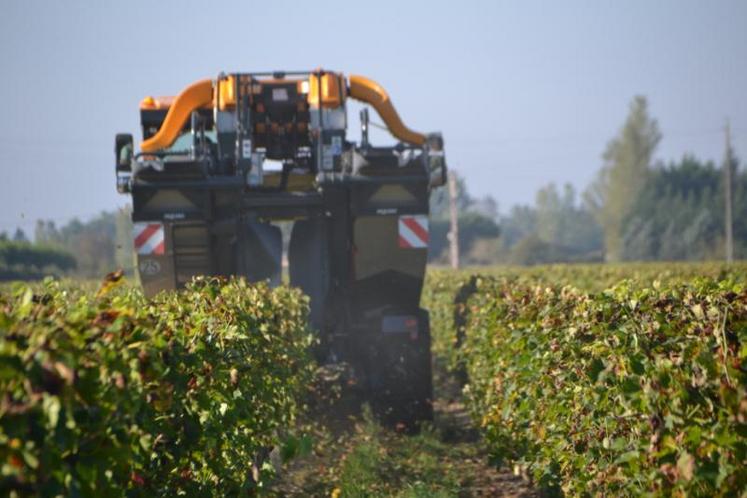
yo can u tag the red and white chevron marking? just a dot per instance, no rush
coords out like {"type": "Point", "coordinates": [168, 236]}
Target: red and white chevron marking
{"type": "Point", "coordinates": [148, 238]}
{"type": "Point", "coordinates": [413, 231]}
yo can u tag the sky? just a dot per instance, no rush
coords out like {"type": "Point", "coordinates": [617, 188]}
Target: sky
{"type": "Point", "coordinates": [525, 92]}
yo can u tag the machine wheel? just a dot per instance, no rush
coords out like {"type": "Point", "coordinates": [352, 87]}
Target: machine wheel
{"type": "Point", "coordinates": [307, 261]}
{"type": "Point", "coordinates": [401, 378]}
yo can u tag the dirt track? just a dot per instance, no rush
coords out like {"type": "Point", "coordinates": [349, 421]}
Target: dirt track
{"type": "Point", "coordinates": [354, 456]}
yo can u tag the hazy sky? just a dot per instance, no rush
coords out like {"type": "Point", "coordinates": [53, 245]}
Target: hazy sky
{"type": "Point", "coordinates": [524, 92]}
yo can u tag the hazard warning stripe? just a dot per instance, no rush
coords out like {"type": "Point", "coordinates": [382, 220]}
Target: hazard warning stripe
{"type": "Point", "coordinates": [418, 226]}
{"type": "Point", "coordinates": [146, 231]}
{"type": "Point", "coordinates": [413, 232]}
{"type": "Point", "coordinates": [148, 238]}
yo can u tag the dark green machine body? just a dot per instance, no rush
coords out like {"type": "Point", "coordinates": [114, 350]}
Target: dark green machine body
{"type": "Point", "coordinates": [355, 219]}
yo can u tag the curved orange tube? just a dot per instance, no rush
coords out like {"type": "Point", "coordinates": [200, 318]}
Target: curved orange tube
{"type": "Point", "coordinates": [366, 90]}
{"type": "Point", "coordinates": [193, 97]}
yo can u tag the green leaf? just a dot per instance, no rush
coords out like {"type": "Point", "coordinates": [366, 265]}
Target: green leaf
{"type": "Point", "coordinates": [631, 384]}
{"type": "Point", "coordinates": [146, 442]}
{"type": "Point", "coordinates": [305, 445]}
{"type": "Point", "coordinates": [51, 406]}
{"type": "Point", "coordinates": [627, 457]}
{"type": "Point", "coordinates": [30, 459]}
{"type": "Point", "coordinates": [595, 368]}
{"type": "Point", "coordinates": [636, 364]}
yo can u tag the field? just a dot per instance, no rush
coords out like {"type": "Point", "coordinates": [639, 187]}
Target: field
{"type": "Point", "coordinates": [567, 380]}
{"type": "Point", "coordinates": [106, 393]}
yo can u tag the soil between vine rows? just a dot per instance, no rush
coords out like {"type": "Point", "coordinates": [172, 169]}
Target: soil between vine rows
{"type": "Point", "coordinates": [354, 456]}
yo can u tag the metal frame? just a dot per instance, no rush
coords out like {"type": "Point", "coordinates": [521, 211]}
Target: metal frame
{"type": "Point", "coordinates": [339, 198]}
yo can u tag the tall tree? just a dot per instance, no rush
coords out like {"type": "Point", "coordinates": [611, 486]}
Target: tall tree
{"type": "Point", "coordinates": [20, 236]}
{"type": "Point", "coordinates": [627, 161]}
{"type": "Point", "coordinates": [46, 232]}
{"type": "Point", "coordinates": [520, 222]}
{"type": "Point", "coordinates": [678, 214]}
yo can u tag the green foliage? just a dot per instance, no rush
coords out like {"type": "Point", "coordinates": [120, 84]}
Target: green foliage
{"type": "Point", "coordinates": [100, 245]}
{"type": "Point", "coordinates": [532, 250]}
{"type": "Point", "coordinates": [477, 220]}
{"type": "Point", "coordinates": [564, 224]}
{"type": "Point", "coordinates": [520, 222]}
{"type": "Point", "coordinates": [439, 292]}
{"type": "Point", "coordinates": [117, 395]}
{"type": "Point", "coordinates": [446, 292]}
{"type": "Point", "coordinates": [22, 261]}
{"type": "Point", "coordinates": [633, 211]}
{"type": "Point", "coordinates": [679, 214]}
{"type": "Point", "coordinates": [472, 227]}
{"type": "Point", "coordinates": [18, 236]}
{"type": "Point", "coordinates": [639, 389]}
{"type": "Point", "coordinates": [555, 229]}
{"type": "Point", "coordinates": [377, 462]}
{"type": "Point", "coordinates": [627, 162]}
{"type": "Point", "coordinates": [439, 199]}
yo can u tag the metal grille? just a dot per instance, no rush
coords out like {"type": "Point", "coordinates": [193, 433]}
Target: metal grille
{"type": "Point", "coordinates": [191, 245]}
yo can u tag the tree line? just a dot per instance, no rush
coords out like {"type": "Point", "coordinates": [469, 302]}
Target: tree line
{"type": "Point", "coordinates": [77, 248]}
{"type": "Point", "coordinates": [636, 209]}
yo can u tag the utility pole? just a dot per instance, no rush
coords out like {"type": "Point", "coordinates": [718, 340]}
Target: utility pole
{"type": "Point", "coordinates": [454, 228]}
{"type": "Point", "coordinates": [728, 196]}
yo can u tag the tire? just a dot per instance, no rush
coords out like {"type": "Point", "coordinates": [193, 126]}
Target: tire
{"type": "Point", "coordinates": [401, 378]}
{"type": "Point", "coordinates": [307, 260]}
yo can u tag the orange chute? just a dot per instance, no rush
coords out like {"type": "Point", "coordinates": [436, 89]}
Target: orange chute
{"type": "Point", "coordinates": [193, 97]}
{"type": "Point", "coordinates": [200, 94]}
{"type": "Point", "coordinates": [366, 90]}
